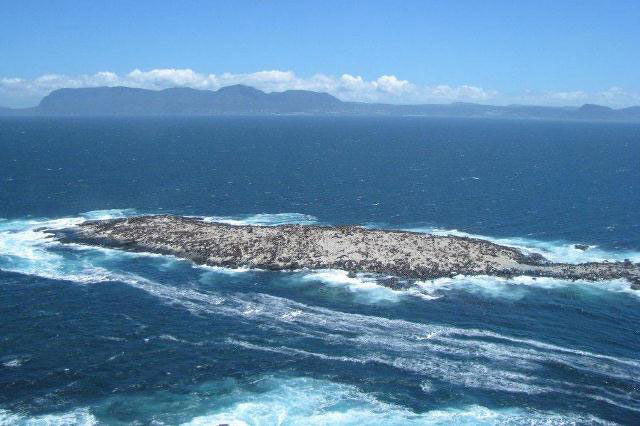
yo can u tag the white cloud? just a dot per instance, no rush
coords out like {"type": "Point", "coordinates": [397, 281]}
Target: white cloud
{"type": "Point", "coordinates": [386, 88]}
{"type": "Point", "coordinates": [463, 92]}
{"type": "Point", "coordinates": [614, 97]}
{"type": "Point", "coordinates": [568, 96]}
{"type": "Point", "coordinates": [161, 78]}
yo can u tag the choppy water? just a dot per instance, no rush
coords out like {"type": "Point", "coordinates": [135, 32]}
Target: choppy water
{"type": "Point", "coordinates": [98, 336]}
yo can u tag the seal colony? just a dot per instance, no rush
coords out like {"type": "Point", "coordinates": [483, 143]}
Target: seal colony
{"type": "Point", "coordinates": [351, 248]}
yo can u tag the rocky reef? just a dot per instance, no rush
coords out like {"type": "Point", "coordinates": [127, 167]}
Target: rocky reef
{"type": "Point", "coordinates": [351, 248]}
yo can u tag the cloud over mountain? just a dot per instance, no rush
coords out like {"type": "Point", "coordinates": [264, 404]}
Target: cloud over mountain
{"type": "Point", "coordinates": [386, 88]}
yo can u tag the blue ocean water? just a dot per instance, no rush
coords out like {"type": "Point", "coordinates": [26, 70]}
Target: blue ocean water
{"type": "Point", "coordinates": [98, 336]}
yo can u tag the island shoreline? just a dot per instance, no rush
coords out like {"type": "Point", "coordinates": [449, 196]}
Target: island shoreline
{"type": "Point", "coordinates": [397, 253]}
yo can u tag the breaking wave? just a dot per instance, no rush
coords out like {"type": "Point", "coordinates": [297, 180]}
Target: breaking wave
{"type": "Point", "coordinates": [307, 401]}
{"type": "Point", "coordinates": [303, 401]}
{"type": "Point", "coordinates": [438, 356]}
{"type": "Point", "coordinates": [366, 287]}
{"type": "Point", "coordinates": [265, 219]}
{"type": "Point", "coordinates": [515, 288]}
{"type": "Point", "coordinates": [556, 251]}
{"type": "Point", "coordinates": [78, 417]}
{"type": "Point", "coordinates": [26, 248]}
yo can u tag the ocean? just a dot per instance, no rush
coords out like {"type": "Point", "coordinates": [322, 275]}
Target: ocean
{"type": "Point", "coordinates": [90, 335]}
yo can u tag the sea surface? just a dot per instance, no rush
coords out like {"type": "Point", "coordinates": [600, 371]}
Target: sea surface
{"type": "Point", "coordinates": [99, 336]}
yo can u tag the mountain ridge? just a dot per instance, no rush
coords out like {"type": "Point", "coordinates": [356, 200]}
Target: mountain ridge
{"type": "Point", "coordinates": [242, 99]}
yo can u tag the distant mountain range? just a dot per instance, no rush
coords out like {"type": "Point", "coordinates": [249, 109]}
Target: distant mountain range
{"type": "Point", "coordinates": [240, 99]}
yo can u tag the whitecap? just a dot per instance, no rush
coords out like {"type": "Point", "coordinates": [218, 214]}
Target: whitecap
{"type": "Point", "coordinates": [364, 286]}
{"type": "Point", "coordinates": [13, 363]}
{"type": "Point", "coordinates": [306, 401]}
{"type": "Point", "coordinates": [78, 417]}
{"type": "Point", "coordinates": [516, 288]}
{"type": "Point", "coordinates": [423, 349]}
{"type": "Point", "coordinates": [265, 219]}
{"type": "Point", "coordinates": [109, 214]}
{"type": "Point", "coordinates": [555, 251]}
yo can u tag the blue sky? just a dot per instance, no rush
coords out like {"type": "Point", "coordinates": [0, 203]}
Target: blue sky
{"type": "Point", "coordinates": [544, 52]}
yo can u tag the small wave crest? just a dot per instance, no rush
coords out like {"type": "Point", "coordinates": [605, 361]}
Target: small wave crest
{"type": "Point", "coordinates": [555, 251]}
{"type": "Point", "coordinates": [516, 288]}
{"type": "Point", "coordinates": [302, 401]}
{"type": "Point", "coordinates": [307, 401]}
{"type": "Point", "coordinates": [365, 287]}
{"type": "Point", "coordinates": [79, 417]}
{"type": "Point", "coordinates": [265, 219]}
{"type": "Point", "coordinates": [109, 214]}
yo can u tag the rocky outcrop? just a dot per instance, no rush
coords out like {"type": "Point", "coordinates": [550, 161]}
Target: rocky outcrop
{"type": "Point", "coordinates": [351, 248]}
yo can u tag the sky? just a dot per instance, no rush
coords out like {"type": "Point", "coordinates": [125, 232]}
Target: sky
{"type": "Point", "coordinates": [540, 52]}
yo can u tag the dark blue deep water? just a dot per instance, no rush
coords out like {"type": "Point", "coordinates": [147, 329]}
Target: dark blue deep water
{"type": "Point", "coordinates": [97, 336]}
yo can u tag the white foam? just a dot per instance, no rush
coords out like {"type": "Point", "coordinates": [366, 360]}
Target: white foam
{"type": "Point", "coordinates": [555, 251]}
{"type": "Point", "coordinates": [265, 219]}
{"type": "Point", "coordinates": [364, 286]}
{"type": "Point", "coordinates": [420, 348]}
{"type": "Point", "coordinates": [426, 386]}
{"type": "Point", "coordinates": [13, 363]}
{"type": "Point", "coordinates": [516, 288]}
{"type": "Point", "coordinates": [171, 338]}
{"type": "Point", "coordinates": [25, 248]}
{"type": "Point", "coordinates": [226, 271]}
{"type": "Point", "coordinates": [109, 214]}
{"type": "Point", "coordinates": [79, 417]}
{"type": "Point", "coordinates": [305, 401]}
{"type": "Point", "coordinates": [482, 359]}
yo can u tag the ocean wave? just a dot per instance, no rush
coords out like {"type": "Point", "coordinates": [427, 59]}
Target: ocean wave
{"type": "Point", "coordinates": [365, 287]}
{"type": "Point", "coordinates": [463, 357]}
{"type": "Point", "coordinates": [265, 219]}
{"type": "Point", "coordinates": [555, 251]}
{"type": "Point", "coordinates": [442, 354]}
{"type": "Point", "coordinates": [306, 401]}
{"type": "Point", "coordinates": [79, 417]}
{"type": "Point", "coordinates": [447, 354]}
{"type": "Point", "coordinates": [302, 401]}
{"type": "Point", "coordinates": [26, 248]}
{"type": "Point", "coordinates": [369, 288]}
{"type": "Point", "coordinates": [13, 363]}
{"type": "Point", "coordinates": [109, 214]}
{"type": "Point", "coordinates": [516, 288]}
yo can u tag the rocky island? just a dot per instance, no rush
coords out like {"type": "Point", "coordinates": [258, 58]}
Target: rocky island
{"type": "Point", "coordinates": [352, 248]}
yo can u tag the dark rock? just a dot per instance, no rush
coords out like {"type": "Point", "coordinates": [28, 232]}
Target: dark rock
{"type": "Point", "coordinates": [285, 247]}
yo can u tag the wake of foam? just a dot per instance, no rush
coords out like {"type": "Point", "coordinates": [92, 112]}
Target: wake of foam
{"type": "Point", "coordinates": [441, 353]}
